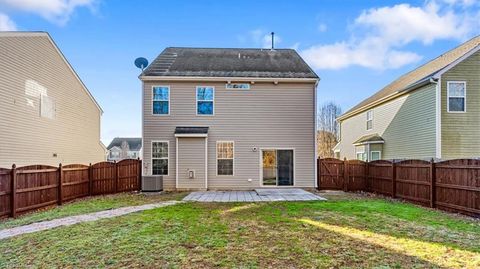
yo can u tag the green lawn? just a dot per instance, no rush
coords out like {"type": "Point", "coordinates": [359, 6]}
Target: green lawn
{"type": "Point", "coordinates": [90, 204]}
{"type": "Point", "coordinates": [346, 231]}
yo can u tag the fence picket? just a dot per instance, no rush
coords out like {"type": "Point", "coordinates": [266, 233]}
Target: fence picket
{"type": "Point", "coordinates": [450, 185]}
{"type": "Point", "coordinates": [36, 186]}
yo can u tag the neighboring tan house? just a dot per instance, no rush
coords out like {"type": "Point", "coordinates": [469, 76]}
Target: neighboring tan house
{"type": "Point", "coordinates": [229, 119]}
{"type": "Point", "coordinates": [47, 115]}
{"type": "Point", "coordinates": [124, 148]}
{"type": "Point", "coordinates": [430, 112]}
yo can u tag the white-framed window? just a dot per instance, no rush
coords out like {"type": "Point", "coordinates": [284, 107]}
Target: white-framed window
{"type": "Point", "coordinates": [456, 96]}
{"type": "Point", "coordinates": [225, 157]}
{"type": "Point", "coordinates": [243, 86]}
{"type": "Point", "coordinates": [362, 156]}
{"type": "Point", "coordinates": [375, 155]}
{"type": "Point", "coordinates": [370, 120]}
{"type": "Point", "coordinates": [160, 158]}
{"type": "Point", "coordinates": [161, 100]}
{"type": "Point", "coordinates": [205, 100]}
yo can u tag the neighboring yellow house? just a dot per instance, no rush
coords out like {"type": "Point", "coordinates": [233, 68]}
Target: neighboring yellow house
{"type": "Point", "coordinates": [47, 115]}
{"type": "Point", "coordinates": [430, 112]}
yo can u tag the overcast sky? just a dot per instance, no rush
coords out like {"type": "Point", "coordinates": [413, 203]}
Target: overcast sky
{"type": "Point", "coordinates": [356, 47]}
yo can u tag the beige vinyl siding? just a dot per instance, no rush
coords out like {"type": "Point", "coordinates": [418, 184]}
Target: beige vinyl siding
{"type": "Point", "coordinates": [461, 131]}
{"type": "Point", "coordinates": [29, 63]}
{"type": "Point", "coordinates": [266, 116]}
{"type": "Point", "coordinates": [191, 152]}
{"type": "Point", "coordinates": [407, 124]}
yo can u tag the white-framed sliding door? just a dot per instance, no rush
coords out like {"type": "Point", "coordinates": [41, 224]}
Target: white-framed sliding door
{"type": "Point", "coordinates": [277, 167]}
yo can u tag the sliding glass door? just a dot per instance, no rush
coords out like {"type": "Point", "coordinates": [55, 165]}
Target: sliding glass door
{"type": "Point", "coordinates": [277, 167]}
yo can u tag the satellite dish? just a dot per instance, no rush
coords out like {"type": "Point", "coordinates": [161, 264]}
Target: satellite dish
{"type": "Point", "coordinates": [141, 63]}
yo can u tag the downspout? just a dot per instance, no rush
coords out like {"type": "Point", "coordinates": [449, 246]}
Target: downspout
{"type": "Point", "coordinates": [438, 116]}
{"type": "Point", "coordinates": [315, 155]}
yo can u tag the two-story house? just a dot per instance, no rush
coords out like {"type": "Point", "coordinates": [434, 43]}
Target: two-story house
{"type": "Point", "coordinates": [430, 112]}
{"type": "Point", "coordinates": [47, 115]}
{"type": "Point", "coordinates": [124, 148]}
{"type": "Point", "coordinates": [229, 119]}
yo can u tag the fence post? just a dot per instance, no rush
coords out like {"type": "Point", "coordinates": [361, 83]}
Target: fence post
{"type": "Point", "coordinates": [433, 179]}
{"type": "Point", "coordinates": [59, 185]}
{"type": "Point", "coordinates": [139, 167]}
{"type": "Point", "coordinates": [367, 177]}
{"type": "Point", "coordinates": [90, 180]}
{"type": "Point", "coordinates": [345, 174]}
{"type": "Point", "coordinates": [394, 179]}
{"type": "Point", "coordinates": [13, 192]}
{"type": "Point", "coordinates": [319, 174]}
{"type": "Point", "coordinates": [115, 176]}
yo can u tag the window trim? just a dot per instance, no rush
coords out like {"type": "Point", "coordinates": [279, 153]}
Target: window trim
{"type": "Point", "coordinates": [168, 156]}
{"type": "Point", "coordinates": [464, 96]}
{"type": "Point", "coordinates": [359, 152]}
{"type": "Point", "coordinates": [366, 123]}
{"type": "Point", "coordinates": [196, 101]}
{"type": "Point", "coordinates": [169, 103]}
{"type": "Point", "coordinates": [379, 154]}
{"type": "Point", "coordinates": [216, 157]}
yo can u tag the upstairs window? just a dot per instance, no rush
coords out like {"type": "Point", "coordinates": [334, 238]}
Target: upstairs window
{"type": "Point", "coordinates": [243, 86]}
{"type": "Point", "coordinates": [161, 100]}
{"type": "Point", "coordinates": [456, 92]}
{"type": "Point", "coordinates": [370, 120]}
{"type": "Point", "coordinates": [205, 100]}
{"type": "Point", "coordinates": [225, 158]}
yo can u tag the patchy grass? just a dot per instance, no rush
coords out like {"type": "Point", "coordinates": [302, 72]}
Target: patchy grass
{"type": "Point", "coordinates": [91, 204]}
{"type": "Point", "coordinates": [348, 231]}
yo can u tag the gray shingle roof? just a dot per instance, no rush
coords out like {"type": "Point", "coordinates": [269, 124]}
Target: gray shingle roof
{"type": "Point", "coordinates": [418, 75]}
{"type": "Point", "coordinates": [191, 130]}
{"type": "Point", "coordinates": [229, 62]}
{"type": "Point", "coordinates": [134, 143]}
{"type": "Point", "coordinates": [369, 138]}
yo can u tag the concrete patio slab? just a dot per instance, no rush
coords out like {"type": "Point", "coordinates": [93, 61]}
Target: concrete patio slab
{"type": "Point", "coordinates": [258, 195]}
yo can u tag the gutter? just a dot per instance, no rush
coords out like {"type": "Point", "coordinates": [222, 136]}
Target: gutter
{"type": "Point", "coordinates": [226, 79]}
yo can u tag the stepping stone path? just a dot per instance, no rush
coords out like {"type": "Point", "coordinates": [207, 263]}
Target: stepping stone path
{"type": "Point", "coordinates": [67, 221]}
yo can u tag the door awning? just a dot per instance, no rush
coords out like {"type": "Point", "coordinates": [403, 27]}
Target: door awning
{"type": "Point", "coordinates": [191, 131]}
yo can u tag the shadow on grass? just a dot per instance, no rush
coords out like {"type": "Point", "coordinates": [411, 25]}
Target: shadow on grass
{"type": "Point", "coordinates": [390, 218]}
{"type": "Point", "coordinates": [432, 253]}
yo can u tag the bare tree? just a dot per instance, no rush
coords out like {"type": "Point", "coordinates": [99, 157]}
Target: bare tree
{"type": "Point", "coordinates": [328, 129]}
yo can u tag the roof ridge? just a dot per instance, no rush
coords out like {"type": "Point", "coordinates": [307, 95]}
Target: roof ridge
{"type": "Point", "coordinates": [228, 48]}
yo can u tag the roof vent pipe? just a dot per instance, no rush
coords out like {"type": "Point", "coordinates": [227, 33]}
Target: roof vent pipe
{"type": "Point", "coordinates": [273, 40]}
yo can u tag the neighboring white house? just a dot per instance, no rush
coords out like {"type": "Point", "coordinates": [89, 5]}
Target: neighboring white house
{"type": "Point", "coordinates": [229, 119]}
{"type": "Point", "coordinates": [430, 112]}
{"type": "Point", "coordinates": [47, 115]}
{"type": "Point", "coordinates": [124, 148]}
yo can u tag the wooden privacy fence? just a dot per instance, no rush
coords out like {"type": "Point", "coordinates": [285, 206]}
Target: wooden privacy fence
{"type": "Point", "coordinates": [452, 185]}
{"type": "Point", "coordinates": [27, 188]}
